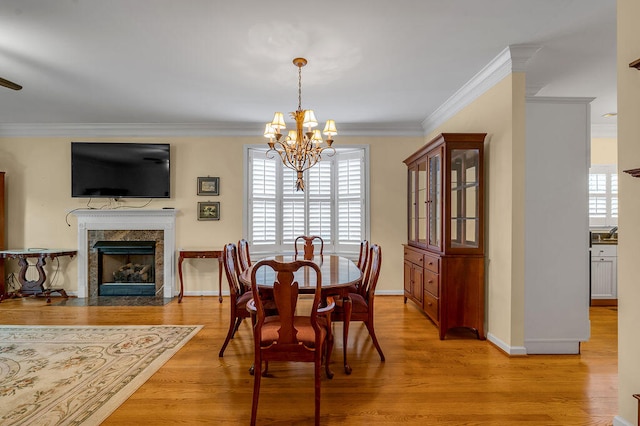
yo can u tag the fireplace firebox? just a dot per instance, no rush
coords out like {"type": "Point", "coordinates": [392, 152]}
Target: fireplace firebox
{"type": "Point", "coordinates": [126, 268]}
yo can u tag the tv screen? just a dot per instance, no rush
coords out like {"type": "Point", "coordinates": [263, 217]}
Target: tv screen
{"type": "Point", "coordinates": [120, 170]}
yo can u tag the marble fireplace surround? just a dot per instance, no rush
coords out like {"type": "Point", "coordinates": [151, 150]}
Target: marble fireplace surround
{"type": "Point", "coordinates": [121, 224]}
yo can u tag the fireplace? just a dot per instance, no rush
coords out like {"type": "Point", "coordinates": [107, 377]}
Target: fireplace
{"type": "Point", "coordinates": [137, 227]}
{"type": "Point", "coordinates": [126, 268]}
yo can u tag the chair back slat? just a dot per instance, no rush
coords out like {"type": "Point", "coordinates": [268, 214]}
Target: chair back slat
{"type": "Point", "coordinates": [370, 280]}
{"type": "Point", "coordinates": [364, 255]}
{"type": "Point", "coordinates": [230, 262]}
{"type": "Point", "coordinates": [285, 294]}
{"type": "Point", "coordinates": [244, 258]}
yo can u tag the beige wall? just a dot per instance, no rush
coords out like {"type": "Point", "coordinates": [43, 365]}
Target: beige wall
{"type": "Point", "coordinates": [38, 182]}
{"type": "Point", "coordinates": [604, 151]}
{"type": "Point", "coordinates": [500, 113]}
{"type": "Point", "coordinates": [629, 193]}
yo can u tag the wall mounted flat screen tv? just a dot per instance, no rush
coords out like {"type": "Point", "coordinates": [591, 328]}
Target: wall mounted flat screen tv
{"type": "Point", "coordinates": [120, 170]}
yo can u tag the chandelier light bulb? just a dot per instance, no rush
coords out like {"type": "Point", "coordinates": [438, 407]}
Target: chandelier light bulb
{"type": "Point", "coordinates": [278, 122]}
{"type": "Point", "coordinates": [309, 119]}
{"type": "Point", "coordinates": [292, 137]}
{"type": "Point", "coordinates": [269, 132]}
{"type": "Point", "coordinates": [330, 128]}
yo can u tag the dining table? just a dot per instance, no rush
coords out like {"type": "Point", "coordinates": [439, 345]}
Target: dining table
{"type": "Point", "coordinates": [339, 275]}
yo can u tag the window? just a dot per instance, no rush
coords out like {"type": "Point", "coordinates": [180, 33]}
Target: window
{"type": "Point", "coordinates": [603, 195]}
{"type": "Point", "coordinates": [333, 204]}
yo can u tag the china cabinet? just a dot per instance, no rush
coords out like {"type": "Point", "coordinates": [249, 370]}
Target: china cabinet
{"type": "Point", "coordinates": [444, 254]}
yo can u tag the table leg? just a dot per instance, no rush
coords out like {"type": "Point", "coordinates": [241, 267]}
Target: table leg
{"type": "Point", "coordinates": [220, 279]}
{"type": "Point", "coordinates": [180, 260]}
{"type": "Point", "coordinates": [347, 304]}
{"type": "Point", "coordinates": [27, 286]}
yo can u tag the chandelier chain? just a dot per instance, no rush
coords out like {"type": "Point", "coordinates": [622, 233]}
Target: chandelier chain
{"type": "Point", "coordinates": [299, 88]}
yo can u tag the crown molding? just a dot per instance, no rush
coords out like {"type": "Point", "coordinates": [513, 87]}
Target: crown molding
{"type": "Point", "coordinates": [511, 59]}
{"type": "Point", "coordinates": [237, 129]}
{"type": "Point", "coordinates": [124, 129]}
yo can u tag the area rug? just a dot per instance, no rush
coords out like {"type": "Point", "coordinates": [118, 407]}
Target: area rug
{"type": "Point", "coordinates": [63, 375]}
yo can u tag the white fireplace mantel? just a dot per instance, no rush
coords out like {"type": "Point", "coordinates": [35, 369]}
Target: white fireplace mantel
{"type": "Point", "coordinates": [116, 219]}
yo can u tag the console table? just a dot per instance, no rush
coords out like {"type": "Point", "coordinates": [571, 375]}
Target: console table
{"type": "Point", "coordinates": [36, 287]}
{"type": "Point", "coordinates": [200, 254]}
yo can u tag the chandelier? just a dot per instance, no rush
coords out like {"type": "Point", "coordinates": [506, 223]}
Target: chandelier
{"type": "Point", "coordinates": [299, 150]}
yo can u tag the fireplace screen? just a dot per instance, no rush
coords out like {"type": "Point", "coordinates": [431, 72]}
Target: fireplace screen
{"type": "Point", "coordinates": [126, 268]}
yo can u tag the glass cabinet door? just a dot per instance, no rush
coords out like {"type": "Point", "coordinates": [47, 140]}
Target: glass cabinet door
{"type": "Point", "coordinates": [435, 199]}
{"type": "Point", "coordinates": [413, 199]}
{"type": "Point", "coordinates": [465, 202]}
{"type": "Point", "coordinates": [422, 202]}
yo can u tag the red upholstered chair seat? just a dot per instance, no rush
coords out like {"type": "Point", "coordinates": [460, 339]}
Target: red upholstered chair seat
{"type": "Point", "coordinates": [358, 303]}
{"type": "Point", "coordinates": [305, 335]}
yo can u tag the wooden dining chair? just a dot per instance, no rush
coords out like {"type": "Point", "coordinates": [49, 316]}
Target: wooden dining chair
{"type": "Point", "coordinates": [244, 258]}
{"type": "Point", "coordinates": [290, 336]}
{"type": "Point", "coordinates": [238, 293]}
{"type": "Point", "coordinates": [308, 248]}
{"type": "Point", "coordinates": [362, 300]}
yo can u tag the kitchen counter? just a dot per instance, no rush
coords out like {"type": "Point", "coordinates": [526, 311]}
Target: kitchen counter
{"type": "Point", "coordinates": [598, 238]}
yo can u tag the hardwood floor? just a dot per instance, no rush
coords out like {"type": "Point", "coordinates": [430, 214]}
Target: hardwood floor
{"type": "Point", "coordinates": [424, 381]}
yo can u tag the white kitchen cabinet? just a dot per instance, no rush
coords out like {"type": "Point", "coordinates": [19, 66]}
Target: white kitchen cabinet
{"type": "Point", "coordinates": [604, 272]}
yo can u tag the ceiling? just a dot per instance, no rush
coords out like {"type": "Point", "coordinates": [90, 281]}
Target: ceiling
{"type": "Point", "coordinates": [372, 63]}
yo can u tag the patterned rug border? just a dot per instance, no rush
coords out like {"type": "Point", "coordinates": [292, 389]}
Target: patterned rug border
{"type": "Point", "coordinates": [109, 405]}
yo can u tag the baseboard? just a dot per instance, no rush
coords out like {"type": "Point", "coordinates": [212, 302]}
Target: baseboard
{"type": "Point", "coordinates": [509, 350]}
{"type": "Point", "coordinates": [553, 347]}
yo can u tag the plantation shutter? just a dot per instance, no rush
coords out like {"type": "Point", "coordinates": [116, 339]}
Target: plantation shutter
{"type": "Point", "coordinates": [603, 195]}
{"type": "Point", "coordinates": [320, 193]}
{"type": "Point", "coordinates": [350, 197]}
{"type": "Point", "coordinates": [262, 199]}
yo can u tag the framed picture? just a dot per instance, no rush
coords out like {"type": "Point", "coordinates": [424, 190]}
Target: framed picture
{"type": "Point", "coordinates": [209, 210]}
{"type": "Point", "coordinates": [208, 185]}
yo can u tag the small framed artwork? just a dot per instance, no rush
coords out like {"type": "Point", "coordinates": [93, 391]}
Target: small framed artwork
{"type": "Point", "coordinates": [209, 210]}
{"type": "Point", "coordinates": [208, 185]}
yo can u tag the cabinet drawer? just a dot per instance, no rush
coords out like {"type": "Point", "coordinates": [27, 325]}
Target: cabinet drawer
{"type": "Point", "coordinates": [431, 282]}
{"type": "Point", "coordinates": [604, 250]}
{"type": "Point", "coordinates": [432, 263]}
{"type": "Point", "coordinates": [431, 305]}
{"type": "Point", "coordinates": [413, 256]}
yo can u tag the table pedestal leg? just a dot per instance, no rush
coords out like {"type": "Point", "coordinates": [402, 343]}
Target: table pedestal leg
{"type": "Point", "coordinates": [346, 303]}
{"type": "Point", "coordinates": [35, 288]}
{"type": "Point", "coordinates": [28, 287]}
